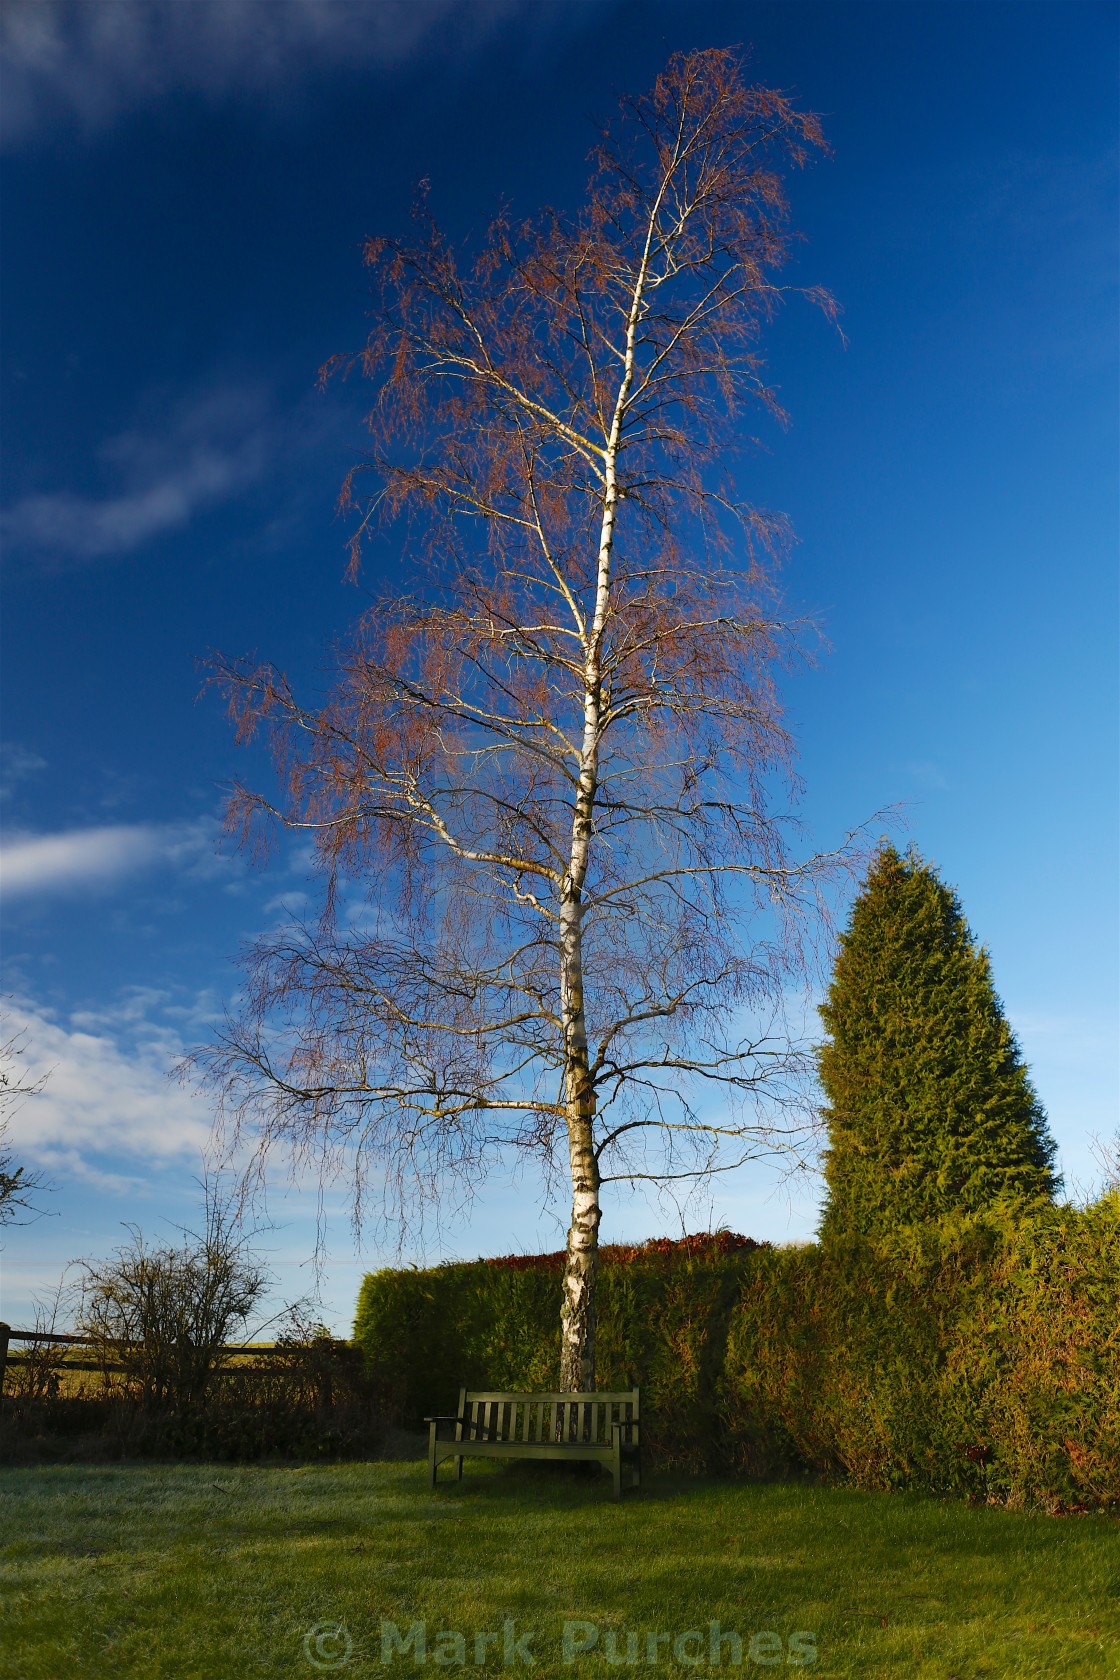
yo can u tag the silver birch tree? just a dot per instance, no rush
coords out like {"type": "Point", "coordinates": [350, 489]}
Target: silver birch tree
{"type": "Point", "coordinates": [560, 907]}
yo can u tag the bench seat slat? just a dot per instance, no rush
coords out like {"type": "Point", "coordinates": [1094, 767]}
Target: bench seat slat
{"type": "Point", "coordinates": [623, 1396]}
{"type": "Point", "coordinates": [534, 1449]}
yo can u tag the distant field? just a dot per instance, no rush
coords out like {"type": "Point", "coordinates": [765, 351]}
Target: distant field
{"type": "Point", "coordinates": [219, 1572]}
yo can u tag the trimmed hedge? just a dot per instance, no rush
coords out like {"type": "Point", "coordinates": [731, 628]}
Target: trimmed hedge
{"type": "Point", "coordinates": [981, 1359]}
{"type": "Point", "coordinates": [496, 1324]}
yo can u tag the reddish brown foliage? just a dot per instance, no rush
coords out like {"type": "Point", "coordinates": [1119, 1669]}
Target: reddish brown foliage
{"type": "Point", "coordinates": [705, 1245]}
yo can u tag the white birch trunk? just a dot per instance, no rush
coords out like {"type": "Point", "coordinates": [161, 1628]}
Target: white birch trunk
{"type": "Point", "coordinates": [577, 1311]}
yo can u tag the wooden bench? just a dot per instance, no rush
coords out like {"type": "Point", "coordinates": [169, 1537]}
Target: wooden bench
{"type": "Point", "coordinates": [601, 1428]}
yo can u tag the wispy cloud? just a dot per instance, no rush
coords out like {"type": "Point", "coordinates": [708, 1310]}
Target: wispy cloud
{"type": "Point", "coordinates": [212, 446]}
{"type": "Point", "coordinates": [927, 774]}
{"type": "Point", "coordinates": [17, 763]}
{"type": "Point", "coordinates": [36, 864]}
{"type": "Point", "coordinates": [109, 1110]}
{"type": "Point", "coordinates": [91, 62]}
{"type": "Point", "coordinates": [119, 1139]}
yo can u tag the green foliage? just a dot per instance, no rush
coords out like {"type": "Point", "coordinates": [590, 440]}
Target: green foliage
{"type": "Point", "coordinates": [979, 1357]}
{"type": "Point", "coordinates": [492, 1324]}
{"type": "Point", "coordinates": [930, 1110]}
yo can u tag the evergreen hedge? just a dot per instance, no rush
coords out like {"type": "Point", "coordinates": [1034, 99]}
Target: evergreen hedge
{"type": "Point", "coordinates": [979, 1359]}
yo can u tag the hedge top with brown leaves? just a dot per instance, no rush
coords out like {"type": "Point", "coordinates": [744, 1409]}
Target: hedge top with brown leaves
{"type": "Point", "coordinates": [704, 1245]}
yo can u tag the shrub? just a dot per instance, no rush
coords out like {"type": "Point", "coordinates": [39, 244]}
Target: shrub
{"type": "Point", "coordinates": [315, 1398]}
{"type": "Point", "coordinates": [167, 1313]}
{"type": "Point", "coordinates": [979, 1357]}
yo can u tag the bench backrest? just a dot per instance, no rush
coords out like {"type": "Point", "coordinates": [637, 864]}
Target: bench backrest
{"type": "Point", "coordinates": [546, 1417]}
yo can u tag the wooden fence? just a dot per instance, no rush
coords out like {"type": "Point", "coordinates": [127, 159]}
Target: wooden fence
{"type": "Point", "coordinates": [42, 1340]}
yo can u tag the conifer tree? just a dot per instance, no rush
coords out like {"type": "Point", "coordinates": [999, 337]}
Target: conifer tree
{"type": "Point", "coordinates": [930, 1109]}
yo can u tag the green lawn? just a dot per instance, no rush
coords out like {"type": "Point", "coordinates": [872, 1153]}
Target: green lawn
{"type": "Point", "coordinates": [219, 1571]}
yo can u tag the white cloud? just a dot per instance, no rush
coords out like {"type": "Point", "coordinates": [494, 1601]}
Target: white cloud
{"type": "Point", "coordinates": [212, 446]}
{"type": "Point", "coordinates": [109, 1110]}
{"type": "Point", "coordinates": [17, 763]}
{"type": "Point", "coordinates": [928, 774]}
{"type": "Point", "coordinates": [34, 864]}
{"type": "Point", "coordinates": [287, 904]}
{"type": "Point", "coordinates": [83, 529]}
{"type": "Point", "coordinates": [91, 60]}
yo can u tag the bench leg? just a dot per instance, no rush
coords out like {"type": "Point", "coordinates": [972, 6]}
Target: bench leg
{"type": "Point", "coordinates": [432, 1455]}
{"type": "Point", "coordinates": [616, 1469]}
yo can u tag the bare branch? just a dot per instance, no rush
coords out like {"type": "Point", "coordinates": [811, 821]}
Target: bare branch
{"type": "Point", "coordinates": [548, 788]}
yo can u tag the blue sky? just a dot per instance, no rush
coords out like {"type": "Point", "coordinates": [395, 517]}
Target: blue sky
{"type": "Point", "coordinates": [185, 195]}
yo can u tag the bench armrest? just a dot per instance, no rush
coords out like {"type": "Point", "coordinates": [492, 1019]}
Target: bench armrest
{"type": "Point", "coordinates": [443, 1417]}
